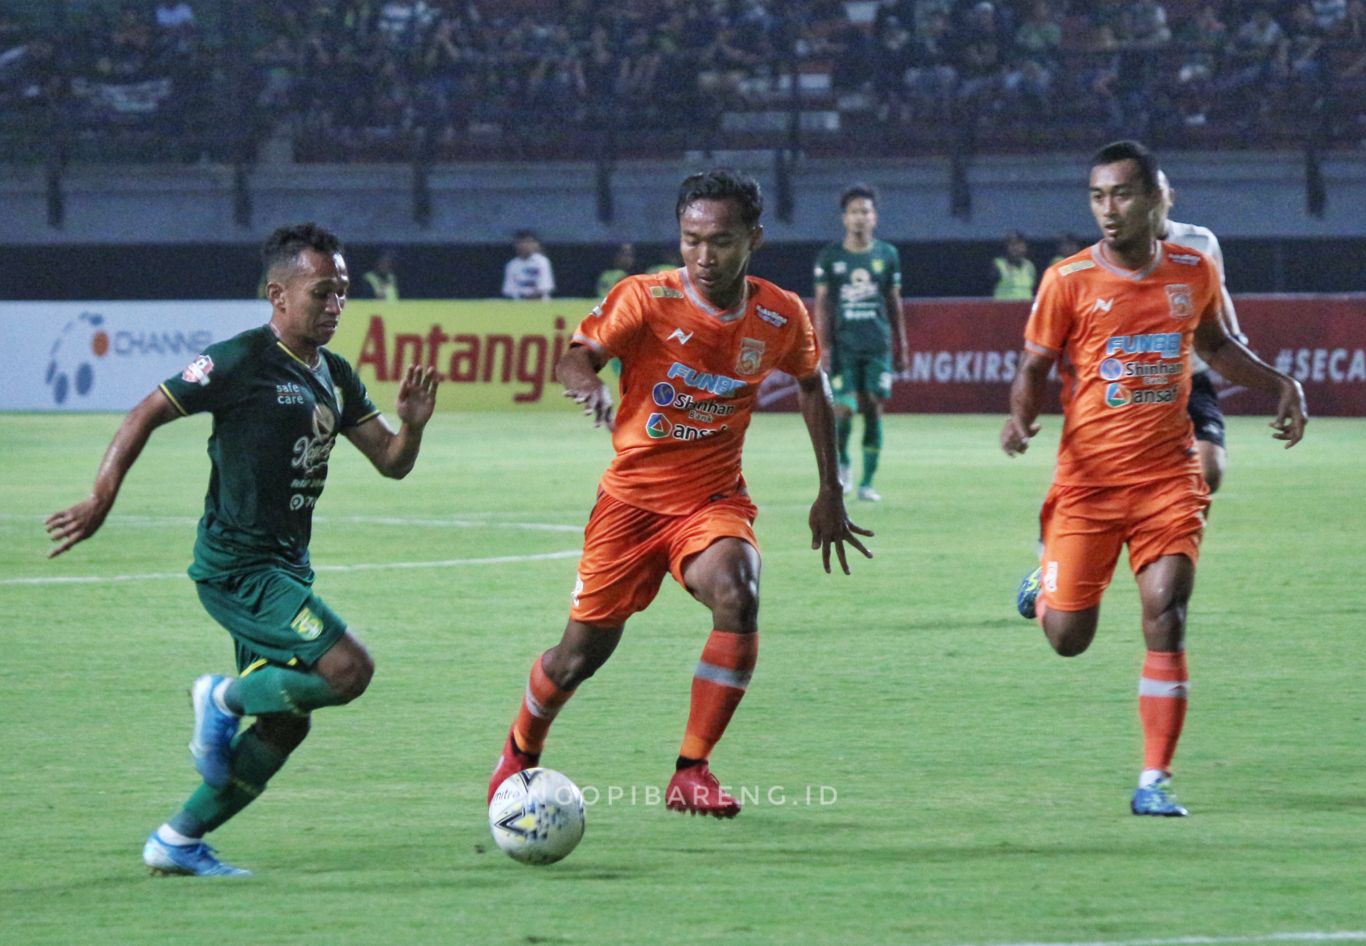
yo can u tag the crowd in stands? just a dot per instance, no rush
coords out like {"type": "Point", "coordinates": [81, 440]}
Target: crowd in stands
{"type": "Point", "coordinates": [380, 78]}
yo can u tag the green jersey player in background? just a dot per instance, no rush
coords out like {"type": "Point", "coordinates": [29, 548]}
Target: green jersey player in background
{"type": "Point", "coordinates": [278, 399]}
{"type": "Point", "coordinates": [858, 317]}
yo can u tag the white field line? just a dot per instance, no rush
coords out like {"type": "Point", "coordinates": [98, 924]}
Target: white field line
{"type": "Point", "coordinates": [360, 567]}
{"type": "Point", "coordinates": [1343, 936]}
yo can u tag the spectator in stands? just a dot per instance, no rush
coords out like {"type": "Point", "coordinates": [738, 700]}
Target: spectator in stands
{"type": "Point", "coordinates": [1013, 274]}
{"type": "Point", "coordinates": [1034, 56]}
{"type": "Point", "coordinates": [1257, 45]}
{"type": "Point", "coordinates": [980, 60]}
{"type": "Point", "coordinates": [382, 279]}
{"type": "Point", "coordinates": [623, 265]}
{"type": "Point", "coordinates": [932, 78]}
{"type": "Point", "coordinates": [1203, 38]}
{"type": "Point", "coordinates": [1301, 58]}
{"type": "Point", "coordinates": [528, 275]}
{"type": "Point", "coordinates": [1143, 25]}
{"type": "Point", "coordinates": [1328, 15]}
{"type": "Point", "coordinates": [1068, 243]}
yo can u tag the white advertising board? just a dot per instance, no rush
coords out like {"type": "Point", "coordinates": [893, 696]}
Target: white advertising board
{"type": "Point", "coordinates": [106, 356]}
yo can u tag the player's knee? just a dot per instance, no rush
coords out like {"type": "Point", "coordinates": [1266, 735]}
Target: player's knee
{"type": "Point", "coordinates": [567, 668]}
{"type": "Point", "coordinates": [1070, 637]}
{"type": "Point", "coordinates": [735, 602]}
{"type": "Point", "coordinates": [353, 678]}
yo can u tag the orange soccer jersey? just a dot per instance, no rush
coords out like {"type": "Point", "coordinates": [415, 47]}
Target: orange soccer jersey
{"type": "Point", "coordinates": [1128, 338]}
{"type": "Point", "coordinates": [690, 379]}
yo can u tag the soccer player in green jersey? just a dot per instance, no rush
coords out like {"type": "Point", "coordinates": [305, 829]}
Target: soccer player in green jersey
{"type": "Point", "coordinates": [858, 314]}
{"type": "Point", "coordinates": [278, 398]}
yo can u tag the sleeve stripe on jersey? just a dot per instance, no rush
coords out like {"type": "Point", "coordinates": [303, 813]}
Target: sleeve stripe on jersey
{"type": "Point", "coordinates": [370, 416]}
{"type": "Point", "coordinates": [1040, 349]}
{"type": "Point", "coordinates": [174, 403]}
{"type": "Point", "coordinates": [592, 343]}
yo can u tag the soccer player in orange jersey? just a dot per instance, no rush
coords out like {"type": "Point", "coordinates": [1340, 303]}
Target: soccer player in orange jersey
{"type": "Point", "coordinates": [1127, 313]}
{"type": "Point", "coordinates": [695, 343]}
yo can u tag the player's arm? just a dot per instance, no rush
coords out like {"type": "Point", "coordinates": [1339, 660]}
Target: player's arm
{"type": "Point", "coordinates": [895, 316]}
{"type": "Point", "coordinates": [394, 452]}
{"type": "Point", "coordinates": [1226, 311]}
{"type": "Point", "coordinates": [1237, 364]}
{"type": "Point", "coordinates": [829, 521]}
{"type": "Point", "coordinates": [823, 320]}
{"type": "Point", "coordinates": [578, 371]}
{"type": "Point", "coordinates": [81, 521]}
{"type": "Point", "coordinates": [1026, 400]}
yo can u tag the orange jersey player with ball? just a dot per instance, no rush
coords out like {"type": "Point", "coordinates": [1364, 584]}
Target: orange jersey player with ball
{"type": "Point", "coordinates": [695, 343]}
{"type": "Point", "coordinates": [1129, 313]}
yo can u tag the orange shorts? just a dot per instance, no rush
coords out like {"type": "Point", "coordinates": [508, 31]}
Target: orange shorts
{"type": "Point", "coordinates": [1084, 528]}
{"type": "Point", "coordinates": [628, 550]}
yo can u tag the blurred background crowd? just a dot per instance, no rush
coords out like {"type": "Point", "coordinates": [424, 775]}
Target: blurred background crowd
{"type": "Point", "coordinates": [376, 80]}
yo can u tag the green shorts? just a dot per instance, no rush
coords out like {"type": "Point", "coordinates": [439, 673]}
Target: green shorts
{"type": "Point", "coordinates": [272, 615]}
{"type": "Point", "coordinates": [859, 373]}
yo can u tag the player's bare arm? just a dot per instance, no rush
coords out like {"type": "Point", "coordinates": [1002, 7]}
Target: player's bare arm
{"type": "Point", "coordinates": [394, 453]}
{"type": "Point", "coordinates": [829, 522]}
{"type": "Point", "coordinates": [900, 350]}
{"type": "Point", "coordinates": [578, 372]}
{"type": "Point", "coordinates": [1026, 397]}
{"type": "Point", "coordinates": [79, 522]}
{"type": "Point", "coordinates": [822, 320]}
{"type": "Point", "coordinates": [1236, 363]}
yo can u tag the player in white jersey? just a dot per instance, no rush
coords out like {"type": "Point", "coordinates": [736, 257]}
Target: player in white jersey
{"type": "Point", "coordinates": [1203, 406]}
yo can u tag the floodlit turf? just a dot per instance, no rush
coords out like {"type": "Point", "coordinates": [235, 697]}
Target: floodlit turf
{"type": "Point", "coordinates": [918, 766]}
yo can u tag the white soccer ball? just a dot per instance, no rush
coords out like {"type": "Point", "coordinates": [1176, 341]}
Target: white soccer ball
{"type": "Point", "coordinates": [536, 816]}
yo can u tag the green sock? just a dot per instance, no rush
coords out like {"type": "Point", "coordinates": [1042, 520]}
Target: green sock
{"type": "Point", "coordinates": [844, 427]}
{"type": "Point", "coordinates": [872, 447]}
{"type": "Point", "coordinates": [279, 690]}
{"type": "Point", "coordinates": [253, 764]}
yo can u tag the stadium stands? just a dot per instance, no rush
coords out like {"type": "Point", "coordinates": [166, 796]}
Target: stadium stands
{"type": "Point", "coordinates": [413, 80]}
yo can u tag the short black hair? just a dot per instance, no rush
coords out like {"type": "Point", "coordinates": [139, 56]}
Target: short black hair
{"type": "Point", "coordinates": [722, 184]}
{"type": "Point", "coordinates": [855, 192]}
{"type": "Point", "coordinates": [526, 235]}
{"type": "Point", "coordinates": [1126, 150]}
{"type": "Point", "coordinates": [286, 243]}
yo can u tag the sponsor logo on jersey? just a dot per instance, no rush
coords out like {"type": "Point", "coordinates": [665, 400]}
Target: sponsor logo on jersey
{"type": "Point", "coordinates": [1166, 344]}
{"type": "Point", "coordinates": [771, 317]}
{"type": "Point", "coordinates": [665, 292]}
{"type": "Point", "coordinates": [685, 432]}
{"type": "Point", "coordinates": [597, 310]}
{"type": "Point", "coordinates": [1154, 373]}
{"type": "Point", "coordinates": [717, 384]}
{"type": "Point", "coordinates": [1111, 369]}
{"type": "Point", "coordinates": [289, 393]}
{"type": "Point", "coordinates": [198, 371]}
{"type": "Point", "coordinates": [682, 336]}
{"type": "Point", "coordinates": [578, 590]}
{"type": "Point", "coordinates": [1076, 267]}
{"type": "Point", "coordinates": [1116, 395]}
{"type": "Point", "coordinates": [1184, 259]}
{"type": "Point", "coordinates": [1050, 577]}
{"type": "Point", "coordinates": [663, 393]}
{"type": "Point", "coordinates": [1179, 296]}
{"type": "Point", "coordinates": [657, 427]}
{"type": "Point", "coordinates": [751, 356]}
{"type": "Point", "coordinates": [1164, 396]}
{"type": "Point", "coordinates": [705, 411]}
{"type": "Point", "coordinates": [1102, 305]}
{"type": "Point", "coordinates": [839, 267]}
{"type": "Point", "coordinates": [879, 266]}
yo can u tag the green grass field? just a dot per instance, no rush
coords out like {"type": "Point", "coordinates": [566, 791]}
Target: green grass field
{"type": "Point", "coordinates": [965, 785]}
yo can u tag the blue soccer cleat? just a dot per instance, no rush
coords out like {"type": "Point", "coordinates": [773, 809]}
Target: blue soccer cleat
{"type": "Point", "coordinates": [192, 860]}
{"type": "Point", "coordinates": [211, 743]}
{"type": "Point", "coordinates": [1157, 800]}
{"type": "Point", "coordinates": [1028, 594]}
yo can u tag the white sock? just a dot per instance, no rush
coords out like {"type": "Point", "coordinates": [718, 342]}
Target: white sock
{"type": "Point", "coordinates": [172, 836]}
{"type": "Point", "coordinates": [218, 693]}
{"type": "Point", "coordinates": [1149, 777]}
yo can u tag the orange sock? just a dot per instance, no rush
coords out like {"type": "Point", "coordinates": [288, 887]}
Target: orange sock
{"type": "Point", "coordinates": [1162, 706]}
{"type": "Point", "coordinates": [540, 704]}
{"type": "Point", "coordinates": [718, 685]}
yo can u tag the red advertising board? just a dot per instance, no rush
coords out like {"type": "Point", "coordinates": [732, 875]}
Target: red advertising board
{"type": "Point", "coordinates": [963, 355]}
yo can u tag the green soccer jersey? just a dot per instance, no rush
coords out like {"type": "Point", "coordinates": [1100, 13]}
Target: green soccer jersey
{"type": "Point", "coordinates": [858, 284]}
{"type": "Point", "coordinates": [275, 421]}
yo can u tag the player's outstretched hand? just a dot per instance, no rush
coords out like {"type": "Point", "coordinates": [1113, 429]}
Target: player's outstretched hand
{"type": "Point", "coordinates": [417, 396]}
{"type": "Point", "coordinates": [1291, 414]}
{"type": "Point", "coordinates": [1015, 436]}
{"type": "Point", "coordinates": [595, 399]}
{"type": "Point", "coordinates": [76, 524]}
{"type": "Point", "coordinates": [830, 525]}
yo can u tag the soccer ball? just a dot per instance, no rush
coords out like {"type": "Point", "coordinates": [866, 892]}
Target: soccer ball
{"type": "Point", "coordinates": [536, 816]}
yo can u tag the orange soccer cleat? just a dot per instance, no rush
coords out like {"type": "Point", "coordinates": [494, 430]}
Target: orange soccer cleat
{"type": "Point", "coordinates": [695, 790]}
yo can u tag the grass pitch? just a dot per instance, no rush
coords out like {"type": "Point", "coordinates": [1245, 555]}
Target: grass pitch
{"type": "Point", "coordinates": [918, 767]}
